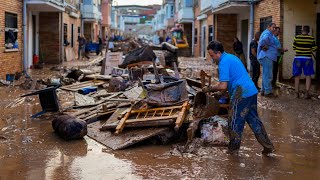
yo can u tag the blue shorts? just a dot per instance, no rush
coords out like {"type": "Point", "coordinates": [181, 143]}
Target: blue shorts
{"type": "Point", "coordinates": [305, 63]}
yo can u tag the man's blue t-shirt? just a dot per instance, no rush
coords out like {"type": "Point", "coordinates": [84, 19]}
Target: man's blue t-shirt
{"type": "Point", "coordinates": [232, 70]}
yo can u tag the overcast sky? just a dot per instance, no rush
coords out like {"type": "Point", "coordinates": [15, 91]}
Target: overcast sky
{"type": "Point", "coordinates": [138, 2]}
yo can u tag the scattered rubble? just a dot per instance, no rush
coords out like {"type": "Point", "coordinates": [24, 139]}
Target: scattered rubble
{"type": "Point", "coordinates": [131, 98]}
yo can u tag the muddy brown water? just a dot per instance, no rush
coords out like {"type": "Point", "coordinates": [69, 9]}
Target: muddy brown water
{"type": "Point", "coordinates": [30, 150]}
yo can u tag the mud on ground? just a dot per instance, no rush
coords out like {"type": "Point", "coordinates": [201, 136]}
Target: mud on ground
{"type": "Point", "coordinates": [30, 150]}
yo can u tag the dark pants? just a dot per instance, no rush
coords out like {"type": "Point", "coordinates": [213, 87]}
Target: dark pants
{"type": "Point", "coordinates": [255, 71]}
{"type": "Point", "coordinates": [245, 110]}
{"type": "Point", "coordinates": [275, 70]}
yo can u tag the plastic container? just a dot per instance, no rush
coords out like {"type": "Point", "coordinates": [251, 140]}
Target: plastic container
{"type": "Point", "coordinates": [10, 77]}
{"type": "Point", "coordinates": [88, 90]}
{"type": "Point", "coordinates": [35, 59]}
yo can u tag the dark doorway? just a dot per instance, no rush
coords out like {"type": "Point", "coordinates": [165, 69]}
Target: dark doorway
{"type": "Point", "coordinates": [72, 35]}
{"type": "Point", "coordinates": [34, 34]}
{"type": "Point", "coordinates": [244, 36]}
{"type": "Point", "coordinates": [264, 22]}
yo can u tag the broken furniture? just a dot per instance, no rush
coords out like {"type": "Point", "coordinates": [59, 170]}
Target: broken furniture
{"type": "Point", "coordinates": [113, 59]}
{"type": "Point", "coordinates": [48, 100]}
{"type": "Point", "coordinates": [151, 117]}
{"type": "Point", "coordinates": [203, 76]}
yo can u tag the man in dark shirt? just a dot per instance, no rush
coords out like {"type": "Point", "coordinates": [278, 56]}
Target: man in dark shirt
{"type": "Point", "coordinates": [253, 59]}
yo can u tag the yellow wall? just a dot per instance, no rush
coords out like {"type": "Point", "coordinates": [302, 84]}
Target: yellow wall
{"type": "Point", "coordinates": [296, 12]}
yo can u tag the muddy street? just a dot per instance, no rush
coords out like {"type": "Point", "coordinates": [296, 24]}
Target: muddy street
{"type": "Point", "coordinates": [29, 149]}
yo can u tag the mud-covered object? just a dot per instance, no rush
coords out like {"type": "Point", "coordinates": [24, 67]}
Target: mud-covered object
{"type": "Point", "coordinates": [69, 127]}
{"type": "Point", "coordinates": [75, 74]}
{"type": "Point", "coordinates": [117, 84]}
{"type": "Point", "coordinates": [139, 55]}
{"type": "Point", "coordinates": [214, 131]}
{"type": "Point", "coordinates": [166, 94]}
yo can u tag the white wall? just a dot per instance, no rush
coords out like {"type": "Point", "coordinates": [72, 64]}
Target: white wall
{"type": "Point", "coordinates": [296, 12]}
{"type": "Point", "coordinates": [244, 16]}
{"type": "Point", "coordinates": [205, 4]}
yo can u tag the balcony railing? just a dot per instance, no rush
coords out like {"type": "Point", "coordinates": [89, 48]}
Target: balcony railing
{"type": "Point", "coordinates": [185, 14]}
{"type": "Point", "coordinates": [90, 11]}
{"type": "Point", "coordinates": [74, 3]}
{"type": "Point", "coordinates": [90, 15]}
{"type": "Point", "coordinates": [59, 2]}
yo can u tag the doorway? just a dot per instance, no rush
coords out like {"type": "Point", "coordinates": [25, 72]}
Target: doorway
{"type": "Point", "coordinates": [244, 38]}
{"type": "Point", "coordinates": [72, 35]}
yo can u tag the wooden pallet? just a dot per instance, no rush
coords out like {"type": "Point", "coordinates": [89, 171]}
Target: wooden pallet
{"type": "Point", "coordinates": [154, 115]}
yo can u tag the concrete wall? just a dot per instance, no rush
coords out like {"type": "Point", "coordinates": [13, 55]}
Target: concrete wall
{"type": "Point", "coordinates": [197, 46]}
{"type": "Point", "coordinates": [49, 37]}
{"type": "Point", "coordinates": [76, 23]}
{"type": "Point", "coordinates": [296, 12]}
{"type": "Point", "coordinates": [10, 62]}
{"type": "Point", "coordinates": [240, 17]}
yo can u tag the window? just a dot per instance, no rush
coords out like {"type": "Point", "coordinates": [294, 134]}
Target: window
{"type": "Point", "coordinates": [11, 31]}
{"type": "Point", "coordinates": [65, 31]}
{"type": "Point", "coordinates": [172, 11]}
{"type": "Point", "coordinates": [195, 36]}
{"type": "Point", "coordinates": [210, 33]}
{"type": "Point", "coordinates": [264, 22]}
{"type": "Point", "coordinates": [189, 3]}
{"type": "Point", "coordinates": [298, 30]}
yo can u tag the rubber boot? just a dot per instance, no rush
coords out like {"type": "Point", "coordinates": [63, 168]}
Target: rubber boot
{"type": "Point", "coordinates": [264, 140]}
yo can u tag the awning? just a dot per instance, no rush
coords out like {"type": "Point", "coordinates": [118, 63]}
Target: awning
{"type": "Point", "coordinates": [232, 8]}
{"type": "Point", "coordinates": [201, 17]}
{"type": "Point", "coordinates": [45, 6]}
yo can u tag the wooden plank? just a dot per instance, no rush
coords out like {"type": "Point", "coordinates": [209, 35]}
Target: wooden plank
{"type": "Point", "coordinates": [123, 140]}
{"type": "Point", "coordinates": [76, 87]}
{"type": "Point", "coordinates": [128, 121]}
{"type": "Point", "coordinates": [155, 109]}
{"type": "Point", "coordinates": [158, 123]}
{"type": "Point", "coordinates": [182, 115]}
{"type": "Point", "coordinates": [121, 124]}
{"type": "Point", "coordinates": [195, 83]}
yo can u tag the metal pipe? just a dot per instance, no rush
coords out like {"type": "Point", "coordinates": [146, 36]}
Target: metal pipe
{"type": "Point", "coordinates": [251, 29]}
{"type": "Point", "coordinates": [193, 31]}
{"type": "Point", "coordinates": [25, 51]}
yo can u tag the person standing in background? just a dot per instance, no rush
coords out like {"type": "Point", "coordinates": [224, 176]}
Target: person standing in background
{"type": "Point", "coordinates": [238, 51]}
{"type": "Point", "coordinates": [254, 60]}
{"type": "Point", "coordinates": [304, 45]}
{"type": "Point", "coordinates": [280, 53]}
{"type": "Point", "coordinates": [267, 54]}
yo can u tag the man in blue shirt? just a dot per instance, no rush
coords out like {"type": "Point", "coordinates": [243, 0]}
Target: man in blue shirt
{"type": "Point", "coordinates": [234, 77]}
{"type": "Point", "coordinates": [267, 54]}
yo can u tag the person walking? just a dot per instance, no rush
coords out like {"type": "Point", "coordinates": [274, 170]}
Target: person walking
{"type": "Point", "coordinates": [238, 50]}
{"type": "Point", "coordinates": [279, 56]}
{"type": "Point", "coordinates": [304, 45]}
{"type": "Point", "coordinates": [254, 60]}
{"type": "Point", "coordinates": [234, 77]}
{"type": "Point", "coordinates": [267, 54]}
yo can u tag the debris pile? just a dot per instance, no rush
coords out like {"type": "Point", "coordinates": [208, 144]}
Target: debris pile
{"type": "Point", "coordinates": [132, 98]}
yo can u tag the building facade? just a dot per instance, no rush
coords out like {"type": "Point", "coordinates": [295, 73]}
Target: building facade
{"type": "Point", "coordinates": [106, 7]}
{"type": "Point", "coordinates": [11, 46]}
{"type": "Point", "coordinates": [91, 19]}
